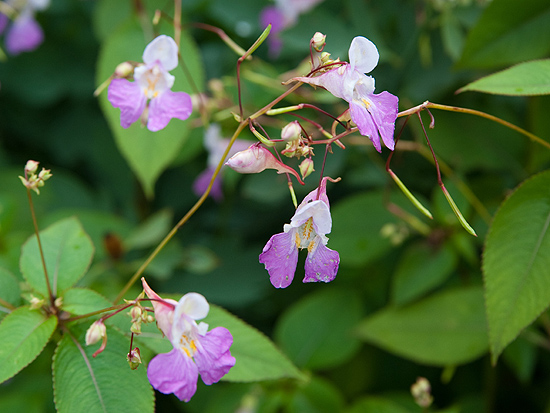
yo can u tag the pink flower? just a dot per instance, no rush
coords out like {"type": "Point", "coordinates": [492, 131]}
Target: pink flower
{"type": "Point", "coordinates": [152, 83]}
{"type": "Point", "coordinates": [307, 229]}
{"type": "Point", "coordinates": [282, 15]}
{"type": "Point", "coordinates": [215, 145]}
{"type": "Point", "coordinates": [24, 34]}
{"type": "Point", "coordinates": [196, 350]}
{"type": "Point", "coordinates": [374, 115]}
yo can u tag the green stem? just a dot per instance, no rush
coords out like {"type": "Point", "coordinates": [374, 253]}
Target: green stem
{"type": "Point", "coordinates": [7, 305]}
{"type": "Point", "coordinates": [37, 232]}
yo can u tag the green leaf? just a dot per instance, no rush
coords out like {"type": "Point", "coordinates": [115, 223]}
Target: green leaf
{"type": "Point", "coordinates": [524, 79]}
{"type": "Point", "coordinates": [257, 357]}
{"type": "Point", "coordinates": [445, 329]}
{"type": "Point", "coordinates": [151, 231]}
{"type": "Point", "coordinates": [23, 333]}
{"type": "Point", "coordinates": [317, 396]}
{"type": "Point", "coordinates": [421, 269]}
{"type": "Point", "coordinates": [80, 301]}
{"type": "Point", "coordinates": [316, 332]}
{"type": "Point", "coordinates": [356, 225]}
{"type": "Point", "coordinates": [9, 288]}
{"type": "Point", "coordinates": [508, 32]}
{"type": "Point", "coordinates": [148, 153]}
{"type": "Point", "coordinates": [516, 262]}
{"type": "Point", "coordinates": [68, 252]}
{"type": "Point", "coordinates": [101, 384]}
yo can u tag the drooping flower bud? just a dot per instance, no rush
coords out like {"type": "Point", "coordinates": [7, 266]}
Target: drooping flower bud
{"type": "Point", "coordinates": [306, 167]}
{"type": "Point", "coordinates": [134, 358]}
{"type": "Point", "coordinates": [96, 332]}
{"type": "Point", "coordinates": [31, 166]}
{"type": "Point", "coordinates": [291, 131]}
{"type": "Point", "coordinates": [256, 159]}
{"type": "Point", "coordinates": [318, 41]}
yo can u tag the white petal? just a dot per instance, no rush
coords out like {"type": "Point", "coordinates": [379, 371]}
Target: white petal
{"type": "Point", "coordinates": [163, 49]}
{"type": "Point", "coordinates": [193, 305]}
{"type": "Point", "coordinates": [317, 210]}
{"type": "Point", "coordinates": [363, 54]}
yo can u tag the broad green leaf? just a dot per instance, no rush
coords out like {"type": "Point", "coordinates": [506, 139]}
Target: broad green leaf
{"type": "Point", "coordinates": [508, 32]}
{"type": "Point", "coordinates": [445, 329]}
{"type": "Point", "coordinates": [521, 358]}
{"type": "Point", "coordinates": [516, 262]}
{"type": "Point", "coordinates": [68, 252]}
{"type": "Point", "coordinates": [101, 384]}
{"type": "Point", "coordinates": [9, 288]}
{"type": "Point", "coordinates": [524, 79]}
{"type": "Point", "coordinates": [421, 269]}
{"type": "Point", "coordinates": [80, 301]}
{"type": "Point", "coordinates": [257, 357]}
{"type": "Point", "coordinates": [148, 153]}
{"type": "Point", "coordinates": [356, 225]}
{"type": "Point", "coordinates": [23, 334]}
{"type": "Point", "coordinates": [316, 332]}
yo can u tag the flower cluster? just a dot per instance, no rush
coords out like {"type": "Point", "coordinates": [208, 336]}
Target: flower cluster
{"type": "Point", "coordinates": [24, 34]}
{"type": "Point", "coordinates": [195, 351]}
{"type": "Point", "coordinates": [374, 115]}
{"type": "Point", "coordinates": [150, 97]}
{"type": "Point", "coordinates": [32, 180]}
{"type": "Point", "coordinates": [307, 229]}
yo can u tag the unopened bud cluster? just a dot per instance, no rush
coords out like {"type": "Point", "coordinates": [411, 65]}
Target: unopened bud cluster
{"type": "Point", "coordinates": [297, 146]}
{"type": "Point", "coordinates": [139, 315]}
{"type": "Point", "coordinates": [33, 181]}
{"type": "Point", "coordinates": [421, 391]}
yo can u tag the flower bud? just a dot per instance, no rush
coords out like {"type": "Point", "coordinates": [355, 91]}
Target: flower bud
{"type": "Point", "coordinates": [36, 303]}
{"type": "Point", "coordinates": [134, 358]}
{"type": "Point", "coordinates": [44, 175]}
{"type": "Point", "coordinates": [136, 327]}
{"type": "Point", "coordinates": [31, 166]}
{"type": "Point", "coordinates": [306, 167]}
{"type": "Point", "coordinates": [135, 313]}
{"type": "Point", "coordinates": [292, 131]}
{"type": "Point", "coordinates": [255, 159]}
{"type": "Point", "coordinates": [421, 391]}
{"type": "Point", "coordinates": [318, 41]}
{"type": "Point", "coordinates": [124, 69]}
{"type": "Point", "coordinates": [96, 332]}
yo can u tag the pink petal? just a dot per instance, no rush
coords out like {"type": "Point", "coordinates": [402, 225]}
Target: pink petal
{"type": "Point", "coordinates": [384, 111]}
{"type": "Point", "coordinates": [280, 256]}
{"type": "Point", "coordinates": [24, 35]}
{"type": "Point", "coordinates": [365, 123]}
{"type": "Point", "coordinates": [321, 264]}
{"type": "Point", "coordinates": [129, 98]}
{"type": "Point", "coordinates": [3, 22]}
{"type": "Point", "coordinates": [213, 358]}
{"type": "Point", "coordinates": [334, 81]}
{"type": "Point", "coordinates": [202, 182]}
{"type": "Point", "coordinates": [173, 373]}
{"type": "Point", "coordinates": [312, 196]}
{"type": "Point", "coordinates": [166, 106]}
{"type": "Point", "coordinates": [164, 309]}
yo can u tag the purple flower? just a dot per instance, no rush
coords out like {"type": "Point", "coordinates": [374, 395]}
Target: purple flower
{"type": "Point", "coordinates": [215, 145]}
{"type": "Point", "coordinates": [196, 350]}
{"type": "Point", "coordinates": [374, 115]}
{"type": "Point", "coordinates": [24, 34]}
{"type": "Point", "coordinates": [153, 83]}
{"type": "Point", "coordinates": [307, 229]}
{"type": "Point", "coordinates": [282, 15]}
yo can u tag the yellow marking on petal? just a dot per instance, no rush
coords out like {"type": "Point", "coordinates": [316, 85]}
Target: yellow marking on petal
{"type": "Point", "coordinates": [310, 246]}
{"type": "Point", "coordinates": [308, 228]}
{"type": "Point", "coordinates": [297, 240]}
{"type": "Point", "coordinates": [367, 104]}
{"type": "Point", "coordinates": [186, 351]}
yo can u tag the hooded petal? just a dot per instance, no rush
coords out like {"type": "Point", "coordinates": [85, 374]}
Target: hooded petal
{"type": "Point", "coordinates": [164, 50]}
{"type": "Point", "coordinates": [280, 256]}
{"type": "Point", "coordinates": [24, 35]}
{"type": "Point", "coordinates": [334, 81]}
{"type": "Point", "coordinates": [192, 305]}
{"type": "Point", "coordinates": [164, 309]}
{"type": "Point", "coordinates": [173, 373]}
{"type": "Point", "coordinates": [213, 358]}
{"type": "Point", "coordinates": [321, 264]}
{"type": "Point", "coordinates": [363, 54]}
{"type": "Point", "coordinates": [129, 98]}
{"type": "Point", "coordinates": [317, 210]}
{"type": "Point", "coordinates": [312, 196]}
{"type": "Point", "coordinates": [168, 105]}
